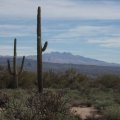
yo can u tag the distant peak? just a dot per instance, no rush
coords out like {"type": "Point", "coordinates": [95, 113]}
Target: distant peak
{"type": "Point", "coordinates": [64, 53]}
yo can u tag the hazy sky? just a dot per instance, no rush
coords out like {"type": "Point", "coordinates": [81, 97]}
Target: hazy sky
{"type": "Point", "coordinates": [90, 28]}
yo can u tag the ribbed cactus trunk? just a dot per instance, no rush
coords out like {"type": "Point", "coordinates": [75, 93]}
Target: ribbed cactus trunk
{"type": "Point", "coordinates": [39, 51]}
{"type": "Point", "coordinates": [15, 65]}
{"type": "Point", "coordinates": [14, 72]}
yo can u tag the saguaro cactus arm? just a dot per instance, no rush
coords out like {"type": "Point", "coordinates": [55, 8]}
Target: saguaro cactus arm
{"type": "Point", "coordinates": [9, 68]}
{"type": "Point", "coordinates": [45, 46]}
{"type": "Point", "coordinates": [40, 49]}
{"type": "Point", "coordinates": [14, 72]}
{"type": "Point", "coordinates": [22, 64]}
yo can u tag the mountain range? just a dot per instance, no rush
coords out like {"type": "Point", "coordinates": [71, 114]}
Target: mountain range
{"type": "Point", "coordinates": [68, 58]}
{"type": "Point", "coordinates": [60, 62]}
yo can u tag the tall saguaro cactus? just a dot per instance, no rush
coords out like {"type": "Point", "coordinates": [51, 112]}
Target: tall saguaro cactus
{"type": "Point", "coordinates": [40, 49]}
{"type": "Point", "coordinates": [14, 72]}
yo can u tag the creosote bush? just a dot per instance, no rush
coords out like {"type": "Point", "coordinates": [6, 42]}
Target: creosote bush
{"type": "Point", "coordinates": [5, 80]}
{"type": "Point", "coordinates": [69, 79]}
{"type": "Point", "coordinates": [4, 99]}
{"type": "Point", "coordinates": [47, 106]}
{"type": "Point", "coordinates": [26, 80]}
{"type": "Point", "coordinates": [110, 81]}
{"type": "Point", "coordinates": [112, 113]}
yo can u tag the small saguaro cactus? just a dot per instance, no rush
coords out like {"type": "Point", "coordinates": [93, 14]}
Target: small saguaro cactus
{"type": "Point", "coordinates": [40, 49]}
{"type": "Point", "coordinates": [14, 72]}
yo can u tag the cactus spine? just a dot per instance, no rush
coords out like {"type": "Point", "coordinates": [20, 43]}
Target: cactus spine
{"type": "Point", "coordinates": [15, 73]}
{"type": "Point", "coordinates": [40, 49]}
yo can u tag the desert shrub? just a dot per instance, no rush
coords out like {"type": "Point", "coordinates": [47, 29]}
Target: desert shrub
{"type": "Point", "coordinates": [51, 79]}
{"type": "Point", "coordinates": [101, 99]}
{"type": "Point", "coordinates": [46, 106]}
{"type": "Point", "coordinates": [27, 79]}
{"type": "Point", "coordinates": [69, 79]}
{"type": "Point", "coordinates": [73, 79]}
{"type": "Point", "coordinates": [2, 68]}
{"type": "Point", "coordinates": [6, 80]}
{"type": "Point", "coordinates": [101, 105]}
{"type": "Point", "coordinates": [117, 98]}
{"type": "Point", "coordinates": [109, 81]}
{"type": "Point", "coordinates": [15, 110]}
{"type": "Point", "coordinates": [4, 99]}
{"type": "Point", "coordinates": [112, 113]}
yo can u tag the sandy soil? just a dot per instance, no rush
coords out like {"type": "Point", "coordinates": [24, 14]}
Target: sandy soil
{"type": "Point", "coordinates": [84, 112]}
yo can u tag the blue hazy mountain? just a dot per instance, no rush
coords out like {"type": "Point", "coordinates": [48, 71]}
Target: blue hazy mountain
{"type": "Point", "coordinates": [68, 58]}
{"type": "Point", "coordinates": [63, 61]}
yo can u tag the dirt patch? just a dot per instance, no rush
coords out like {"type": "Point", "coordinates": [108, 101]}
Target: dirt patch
{"type": "Point", "coordinates": [84, 112]}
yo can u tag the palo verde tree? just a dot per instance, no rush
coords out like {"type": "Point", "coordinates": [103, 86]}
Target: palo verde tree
{"type": "Point", "coordinates": [40, 49]}
{"type": "Point", "coordinates": [14, 72]}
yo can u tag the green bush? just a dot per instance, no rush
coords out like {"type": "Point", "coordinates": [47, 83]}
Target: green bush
{"type": "Point", "coordinates": [73, 79]}
{"type": "Point", "coordinates": [27, 79]}
{"type": "Point", "coordinates": [112, 113]}
{"type": "Point", "coordinates": [68, 79]}
{"type": "Point", "coordinates": [110, 81]}
{"type": "Point", "coordinates": [46, 106]}
{"type": "Point", "coordinates": [4, 99]}
{"type": "Point", "coordinates": [6, 80]}
{"type": "Point", "coordinates": [51, 79]}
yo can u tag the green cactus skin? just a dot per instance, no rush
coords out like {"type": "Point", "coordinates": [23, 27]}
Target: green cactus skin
{"type": "Point", "coordinates": [40, 49]}
{"type": "Point", "coordinates": [15, 73]}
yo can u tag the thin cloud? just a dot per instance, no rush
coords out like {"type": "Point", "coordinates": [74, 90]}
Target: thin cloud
{"type": "Point", "coordinates": [64, 23]}
{"type": "Point", "coordinates": [61, 9]}
{"type": "Point", "coordinates": [17, 30]}
{"type": "Point", "coordinates": [106, 42]}
{"type": "Point", "coordinates": [21, 50]}
{"type": "Point", "coordinates": [99, 35]}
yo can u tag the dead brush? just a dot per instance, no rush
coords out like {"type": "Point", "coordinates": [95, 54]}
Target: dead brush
{"type": "Point", "coordinates": [47, 105]}
{"type": "Point", "coordinates": [4, 99]}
